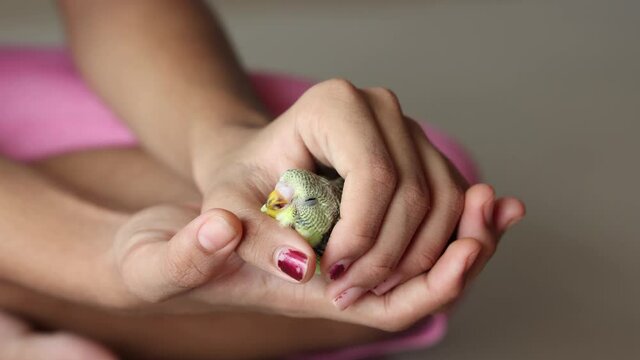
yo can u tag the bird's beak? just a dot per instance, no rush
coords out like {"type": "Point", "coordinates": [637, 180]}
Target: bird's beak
{"type": "Point", "coordinates": [275, 203]}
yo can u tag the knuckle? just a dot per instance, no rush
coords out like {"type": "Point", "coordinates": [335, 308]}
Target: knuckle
{"type": "Point", "coordinates": [386, 96]}
{"type": "Point", "coordinates": [425, 259]}
{"type": "Point", "coordinates": [381, 269]}
{"type": "Point", "coordinates": [453, 198]}
{"type": "Point", "coordinates": [415, 198]}
{"type": "Point", "coordinates": [362, 240]}
{"type": "Point", "coordinates": [338, 87]}
{"type": "Point", "coordinates": [383, 173]}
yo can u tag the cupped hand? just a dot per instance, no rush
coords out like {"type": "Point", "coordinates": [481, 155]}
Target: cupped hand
{"type": "Point", "coordinates": [160, 256]}
{"type": "Point", "coordinates": [401, 202]}
{"type": "Point", "coordinates": [399, 191]}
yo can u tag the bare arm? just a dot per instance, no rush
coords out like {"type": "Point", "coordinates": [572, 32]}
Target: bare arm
{"type": "Point", "coordinates": [50, 240]}
{"type": "Point", "coordinates": [162, 66]}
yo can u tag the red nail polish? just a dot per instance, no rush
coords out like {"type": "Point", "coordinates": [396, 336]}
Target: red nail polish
{"type": "Point", "coordinates": [293, 263]}
{"type": "Point", "coordinates": [338, 269]}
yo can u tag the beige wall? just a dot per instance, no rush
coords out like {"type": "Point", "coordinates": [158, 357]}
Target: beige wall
{"type": "Point", "coordinates": [546, 93]}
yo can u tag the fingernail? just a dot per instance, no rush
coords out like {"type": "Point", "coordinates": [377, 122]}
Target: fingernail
{"type": "Point", "coordinates": [513, 222]}
{"type": "Point", "coordinates": [339, 268]}
{"type": "Point", "coordinates": [488, 211]}
{"type": "Point", "coordinates": [292, 262]}
{"type": "Point", "coordinates": [348, 297]}
{"type": "Point", "coordinates": [388, 284]}
{"type": "Point", "coordinates": [470, 260]}
{"type": "Point", "coordinates": [215, 233]}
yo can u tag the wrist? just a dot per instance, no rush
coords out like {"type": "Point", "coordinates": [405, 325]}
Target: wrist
{"type": "Point", "coordinates": [215, 135]}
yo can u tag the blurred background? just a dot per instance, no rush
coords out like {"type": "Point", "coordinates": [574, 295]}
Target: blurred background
{"type": "Point", "coordinates": [546, 96]}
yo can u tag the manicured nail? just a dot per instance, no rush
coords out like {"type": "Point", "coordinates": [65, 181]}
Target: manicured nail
{"type": "Point", "coordinates": [338, 269]}
{"type": "Point", "coordinates": [471, 259]}
{"type": "Point", "coordinates": [215, 234]}
{"type": "Point", "coordinates": [348, 297]}
{"type": "Point", "coordinates": [487, 209]}
{"type": "Point", "coordinates": [388, 284]}
{"type": "Point", "coordinates": [292, 262]}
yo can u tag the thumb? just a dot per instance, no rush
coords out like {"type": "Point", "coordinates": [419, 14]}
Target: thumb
{"type": "Point", "coordinates": [167, 250]}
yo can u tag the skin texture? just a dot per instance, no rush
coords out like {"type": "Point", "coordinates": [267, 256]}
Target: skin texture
{"type": "Point", "coordinates": [201, 119]}
{"type": "Point", "coordinates": [192, 109]}
{"type": "Point", "coordinates": [137, 335]}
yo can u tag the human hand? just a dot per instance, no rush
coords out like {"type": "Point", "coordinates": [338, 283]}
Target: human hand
{"type": "Point", "coordinates": [147, 245]}
{"type": "Point", "coordinates": [242, 176]}
{"type": "Point", "coordinates": [401, 202]}
{"type": "Point", "coordinates": [393, 178]}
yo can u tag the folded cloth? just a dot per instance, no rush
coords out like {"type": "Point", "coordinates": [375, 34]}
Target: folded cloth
{"type": "Point", "coordinates": [46, 109]}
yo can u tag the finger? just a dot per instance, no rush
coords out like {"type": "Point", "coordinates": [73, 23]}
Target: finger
{"type": "Point", "coordinates": [348, 139]}
{"type": "Point", "coordinates": [447, 201]}
{"type": "Point", "coordinates": [407, 208]}
{"type": "Point", "coordinates": [162, 252]}
{"type": "Point", "coordinates": [486, 219]}
{"type": "Point", "coordinates": [477, 221]}
{"type": "Point", "coordinates": [420, 296]}
{"type": "Point", "coordinates": [273, 248]}
{"type": "Point", "coordinates": [508, 212]}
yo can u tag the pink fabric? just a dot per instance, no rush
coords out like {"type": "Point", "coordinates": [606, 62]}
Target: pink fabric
{"type": "Point", "coordinates": [46, 109]}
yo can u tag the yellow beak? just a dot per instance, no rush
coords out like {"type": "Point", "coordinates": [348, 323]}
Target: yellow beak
{"type": "Point", "coordinates": [275, 203]}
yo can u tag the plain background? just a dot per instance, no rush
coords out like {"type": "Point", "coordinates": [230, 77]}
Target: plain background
{"type": "Point", "coordinates": [544, 93]}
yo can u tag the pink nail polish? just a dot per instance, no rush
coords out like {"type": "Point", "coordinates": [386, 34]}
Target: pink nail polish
{"type": "Point", "coordinates": [387, 285]}
{"type": "Point", "coordinates": [292, 262]}
{"type": "Point", "coordinates": [348, 297]}
{"type": "Point", "coordinates": [338, 269]}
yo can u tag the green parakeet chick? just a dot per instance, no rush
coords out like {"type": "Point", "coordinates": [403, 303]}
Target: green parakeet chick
{"type": "Point", "coordinates": [308, 203]}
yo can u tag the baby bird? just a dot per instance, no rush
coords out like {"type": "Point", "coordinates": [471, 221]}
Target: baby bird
{"type": "Point", "coordinates": [308, 203]}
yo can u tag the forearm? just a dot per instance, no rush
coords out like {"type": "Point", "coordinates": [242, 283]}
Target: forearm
{"type": "Point", "coordinates": [163, 66]}
{"type": "Point", "coordinates": [51, 241]}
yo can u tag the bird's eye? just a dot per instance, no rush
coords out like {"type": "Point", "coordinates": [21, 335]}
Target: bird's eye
{"type": "Point", "coordinates": [311, 201]}
{"type": "Point", "coordinates": [278, 206]}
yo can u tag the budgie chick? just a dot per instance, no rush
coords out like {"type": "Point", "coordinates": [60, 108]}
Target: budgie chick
{"type": "Point", "coordinates": [308, 203]}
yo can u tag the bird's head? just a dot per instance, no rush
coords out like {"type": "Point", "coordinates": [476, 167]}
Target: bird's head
{"type": "Point", "coordinates": [279, 202]}
{"type": "Point", "coordinates": [297, 190]}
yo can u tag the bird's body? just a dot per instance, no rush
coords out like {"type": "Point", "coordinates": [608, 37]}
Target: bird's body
{"type": "Point", "coordinates": [308, 203]}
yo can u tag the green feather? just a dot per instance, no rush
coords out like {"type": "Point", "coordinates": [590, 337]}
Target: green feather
{"type": "Point", "coordinates": [314, 208]}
